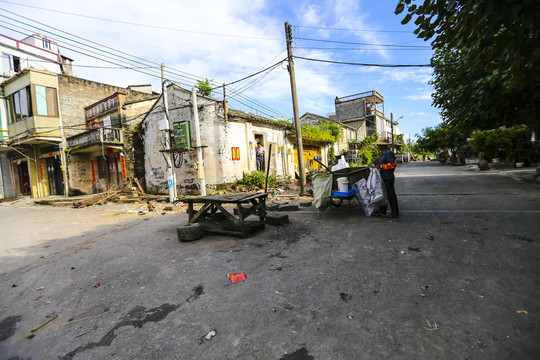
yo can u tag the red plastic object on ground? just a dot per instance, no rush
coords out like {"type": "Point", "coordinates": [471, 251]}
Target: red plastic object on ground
{"type": "Point", "coordinates": [237, 277]}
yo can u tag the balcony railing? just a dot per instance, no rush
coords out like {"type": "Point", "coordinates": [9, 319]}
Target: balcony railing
{"type": "Point", "coordinates": [105, 135]}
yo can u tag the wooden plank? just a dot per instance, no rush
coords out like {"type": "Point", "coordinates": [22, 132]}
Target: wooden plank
{"type": "Point", "coordinates": [226, 198]}
{"type": "Point", "coordinates": [201, 212]}
{"type": "Point", "coordinates": [229, 215]}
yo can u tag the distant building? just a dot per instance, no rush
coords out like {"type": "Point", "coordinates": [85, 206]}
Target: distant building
{"type": "Point", "coordinates": [348, 133]}
{"type": "Point", "coordinates": [365, 113]}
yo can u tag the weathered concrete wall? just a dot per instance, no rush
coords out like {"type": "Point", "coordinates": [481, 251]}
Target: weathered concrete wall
{"type": "Point", "coordinates": [132, 115]}
{"type": "Point", "coordinates": [75, 94]}
{"type": "Point", "coordinates": [218, 136]}
{"type": "Point", "coordinates": [80, 173]}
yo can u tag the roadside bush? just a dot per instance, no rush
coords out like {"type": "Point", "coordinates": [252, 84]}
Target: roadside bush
{"type": "Point", "coordinates": [258, 178]}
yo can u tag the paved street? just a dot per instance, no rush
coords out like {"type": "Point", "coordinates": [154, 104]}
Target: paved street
{"type": "Point", "coordinates": [456, 277]}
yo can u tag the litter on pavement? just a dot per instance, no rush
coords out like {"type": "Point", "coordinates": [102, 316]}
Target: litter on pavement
{"type": "Point", "coordinates": [237, 277]}
{"type": "Point", "coordinates": [208, 336]}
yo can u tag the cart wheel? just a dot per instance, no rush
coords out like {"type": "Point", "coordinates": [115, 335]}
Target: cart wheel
{"type": "Point", "coordinates": [337, 202]}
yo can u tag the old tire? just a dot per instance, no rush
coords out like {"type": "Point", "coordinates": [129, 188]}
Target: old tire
{"type": "Point", "coordinates": [190, 232]}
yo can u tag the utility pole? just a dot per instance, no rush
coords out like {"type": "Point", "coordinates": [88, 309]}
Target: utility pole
{"type": "Point", "coordinates": [392, 127]}
{"type": "Point", "coordinates": [409, 150]}
{"type": "Point", "coordinates": [299, 145]}
{"type": "Point", "coordinates": [171, 176]}
{"type": "Point", "coordinates": [200, 162]}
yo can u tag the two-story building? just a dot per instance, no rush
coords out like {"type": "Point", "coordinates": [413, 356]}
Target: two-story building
{"type": "Point", "coordinates": [110, 153]}
{"type": "Point", "coordinates": [33, 107]}
{"type": "Point", "coordinates": [43, 109]}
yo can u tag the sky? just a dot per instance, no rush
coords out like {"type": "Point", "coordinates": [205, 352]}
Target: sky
{"type": "Point", "coordinates": [124, 42]}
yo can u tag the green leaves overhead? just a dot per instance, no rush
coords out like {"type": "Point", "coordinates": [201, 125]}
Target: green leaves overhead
{"type": "Point", "coordinates": [486, 59]}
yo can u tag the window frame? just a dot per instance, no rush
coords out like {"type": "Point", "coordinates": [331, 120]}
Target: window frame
{"type": "Point", "coordinates": [15, 100]}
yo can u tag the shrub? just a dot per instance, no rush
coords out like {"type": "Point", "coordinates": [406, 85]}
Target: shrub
{"type": "Point", "coordinates": [258, 178]}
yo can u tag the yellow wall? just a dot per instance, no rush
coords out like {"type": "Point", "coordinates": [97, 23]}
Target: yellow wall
{"type": "Point", "coordinates": [43, 186]}
{"type": "Point", "coordinates": [30, 77]}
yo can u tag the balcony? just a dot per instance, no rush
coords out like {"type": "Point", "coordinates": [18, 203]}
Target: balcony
{"type": "Point", "coordinates": [92, 140]}
{"type": "Point", "coordinates": [370, 96]}
{"type": "Point", "coordinates": [34, 130]}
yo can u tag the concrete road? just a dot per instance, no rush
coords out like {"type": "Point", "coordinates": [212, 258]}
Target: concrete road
{"type": "Point", "coordinates": [456, 277]}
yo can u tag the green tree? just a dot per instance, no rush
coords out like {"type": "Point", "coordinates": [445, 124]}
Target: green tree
{"type": "Point", "coordinates": [368, 149]}
{"type": "Point", "coordinates": [323, 131]}
{"type": "Point", "coordinates": [513, 144]}
{"type": "Point", "coordinates": [486, 61]}
{"type": "Point", "coordinates": [443, 137]}
{"type": "Point", "coordinates": [204, 87]}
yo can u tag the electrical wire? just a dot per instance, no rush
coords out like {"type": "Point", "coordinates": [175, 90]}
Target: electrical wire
{"type": "Point", "coordinates": [363, 64]}
{"type": "Point", "coordinates": [366, 44]}
{"type": "Point", "coordinates": [353, 30]}
{"type": "Point", "coordinates": [145, 25]}
{"type": "Point", "coordinates": [125, 59]}
{"type": "Point", "coordinates": [356, 49]}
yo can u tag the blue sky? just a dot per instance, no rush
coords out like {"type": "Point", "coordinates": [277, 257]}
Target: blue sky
{"type": "Point", "coordinates": [229, 39]}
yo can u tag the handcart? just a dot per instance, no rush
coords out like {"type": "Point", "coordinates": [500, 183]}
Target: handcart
{"type": "Point", "coordinates": [353, 175]}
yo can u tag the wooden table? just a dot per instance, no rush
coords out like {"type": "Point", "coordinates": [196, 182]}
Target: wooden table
{"type": "Point", "coordinates": [216, 219]}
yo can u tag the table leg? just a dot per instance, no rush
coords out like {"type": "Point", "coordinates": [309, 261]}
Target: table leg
{"type": "Point", "coordinates": [190, 211]}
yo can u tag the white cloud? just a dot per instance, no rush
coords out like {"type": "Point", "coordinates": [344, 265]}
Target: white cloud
{"type": "Point", "coordinates": [418, 75]}
{"type": "Point", "coordinates": [425, 95]}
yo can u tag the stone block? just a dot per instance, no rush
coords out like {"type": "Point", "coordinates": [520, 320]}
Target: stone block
{"type": "Point", "coordinates": [190, 232]}
{"type": "Point", "coordinates": [271, 206]}
{"type": "Point", "coordinates": [288, 207]}
{"type": "Point", "coordinates": [277, 219]}
{"type": "Point", "coordinates": [305, 203]}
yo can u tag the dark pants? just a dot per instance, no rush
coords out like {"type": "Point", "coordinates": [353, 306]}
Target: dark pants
{"type": "Point", "coordinates": [260, 162]}
{"type": "Point", "coordinates": [392, 198]}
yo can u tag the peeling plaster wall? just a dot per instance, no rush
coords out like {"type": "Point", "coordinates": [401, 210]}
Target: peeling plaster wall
{"type": "Point", "coordinates": [218, 136]}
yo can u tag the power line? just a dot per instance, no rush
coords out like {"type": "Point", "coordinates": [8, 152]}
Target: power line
{"type": "Point", "coordinates": [271, 67]}
{"type": "Point", "coordinates": [145, 25]}
{"type": "Point", "coordinates": [367, 44]}
{"type": "Point", "coordinates": [357, 49]}
{"type": "Point", "coordinates": [123, 58]}
{"type": "Point", "coordinates": [187, 75]}
{"type": "Point", "coordinates": [363, 64]}
{"type": "Point", "coordinates": [354, 30]}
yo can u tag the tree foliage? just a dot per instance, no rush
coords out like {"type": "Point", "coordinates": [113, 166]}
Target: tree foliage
{"type": "Point", "coordinates": [513, 143]}
{"type": "Point", "coordinates": [323, 131]}
{"type": "Point", "coordinates": [442, 137]}
{"type": "Point", "coordinates": [204, 87]}
{"type": "Point", "coordinates": [258, 178]}
{"type": "Point", "coordinates": [368, 149]}
{"type": "Point", "coordinates": [486, 61]}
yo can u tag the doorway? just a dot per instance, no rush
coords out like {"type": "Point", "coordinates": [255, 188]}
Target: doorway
{"type": "Point", "coordinates": [260, 164]}
{"type": "Point", "coordinates": [24, 178]}
{"type": "Point", "coordinates": [56, 179]}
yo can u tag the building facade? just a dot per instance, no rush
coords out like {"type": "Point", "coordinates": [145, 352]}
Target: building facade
{"type": "Point", "coordinates": [109, 153]}
{"type": "Point", "coordinates": [29, 112]}
{"type": "Point", "coordinates": [228, 141]}
{"type": "Point", "coordinates": [42, 110]}
{"type": "Point", "coordinates": [365, 113]}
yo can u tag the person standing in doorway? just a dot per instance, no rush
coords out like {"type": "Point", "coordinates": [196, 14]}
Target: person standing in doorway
{"type": "Point", "coordinates": [388, 165]}
{"type": "Point", "coordinates": [260, 156]}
